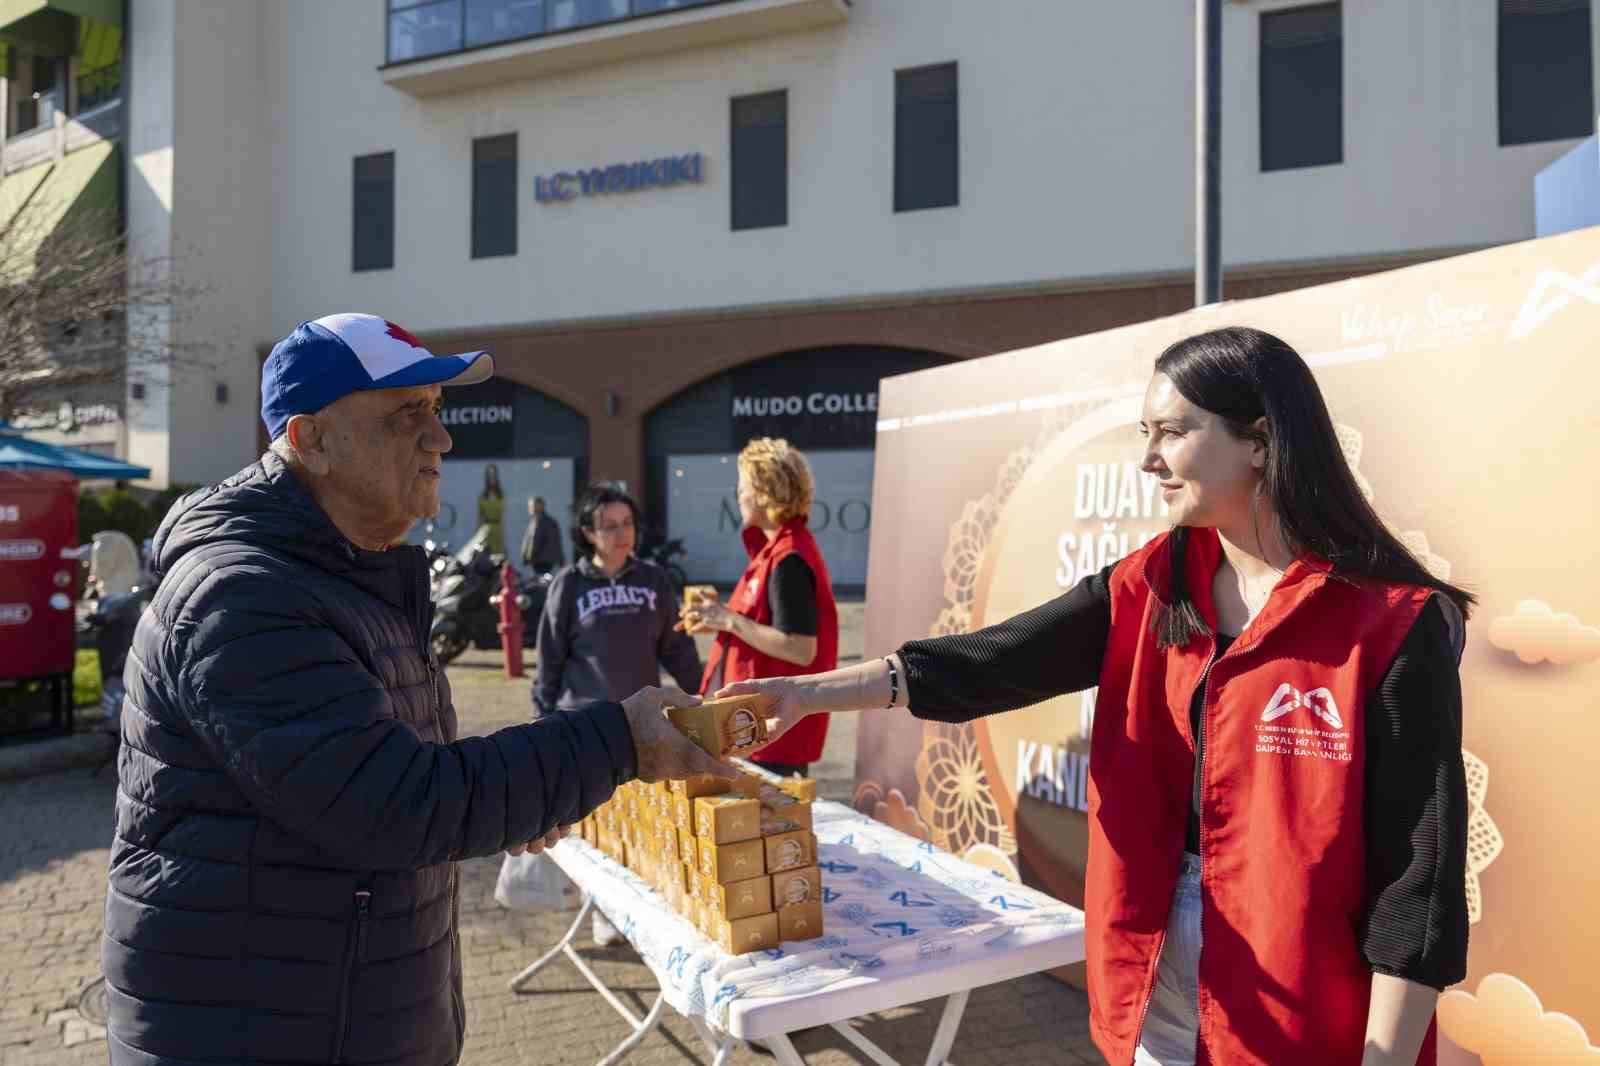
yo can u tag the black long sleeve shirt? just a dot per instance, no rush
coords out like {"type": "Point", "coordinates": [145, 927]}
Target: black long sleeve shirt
{"type": "Point", "coordinates": [1416, 797]}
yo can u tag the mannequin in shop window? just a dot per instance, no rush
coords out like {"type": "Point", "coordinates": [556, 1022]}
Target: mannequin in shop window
{"type": "Point", "coordinates": [492, 509]}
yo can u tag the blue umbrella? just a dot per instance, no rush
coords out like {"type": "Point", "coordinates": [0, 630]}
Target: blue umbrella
{"type": "Point", "coordinates": [22, 453]}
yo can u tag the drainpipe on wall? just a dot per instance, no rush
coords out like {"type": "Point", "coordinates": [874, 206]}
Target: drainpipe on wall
{"type": "Point", "coordinates": [125, 125]}
{"type": "Point", "coordinates": [124, 178]}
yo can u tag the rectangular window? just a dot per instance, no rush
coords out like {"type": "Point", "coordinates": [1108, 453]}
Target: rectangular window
{"type": "Point", "coordinates": [421, 29]}
{"type": "Point", "coordinates": [647, 7]}
{"type": "Point", "coordinates": [489, 21]}
{"type": "Point", "coordinates": [1302, 87]}
{"type": "Point", "coordinates": [374, 212]}
{"type": "Point", "coordinates": [761, 160]}
{"type": "Point", "coordinates": [494, 196]}
{"type": "Point", "coordinates": [927, 141]}
{"type": "Point", "coordinates": [429, 28]}
{"type": "Point", "coordinates": [1546, 71]}
{"type": "Point", "coordinates": [571, 14]}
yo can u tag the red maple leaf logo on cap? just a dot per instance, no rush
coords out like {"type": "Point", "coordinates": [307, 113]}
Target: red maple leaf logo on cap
{"type": "Point", "coordinates": [400, 333]}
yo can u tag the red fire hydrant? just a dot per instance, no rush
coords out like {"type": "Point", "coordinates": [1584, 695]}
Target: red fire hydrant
{"type": "Point", "coordinates": [510, 627]}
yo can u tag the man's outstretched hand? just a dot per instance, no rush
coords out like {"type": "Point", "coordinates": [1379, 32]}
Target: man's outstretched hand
{"type": "Point", "coordinates": [663, 753]}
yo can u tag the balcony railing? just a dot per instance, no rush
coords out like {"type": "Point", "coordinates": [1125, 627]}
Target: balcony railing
{"type": "Point", "coordinates": [64, 135]}
{"type": "Point", "coordinates": [422, 29]}
{"type": "Point", "coordinates": [444, 46]}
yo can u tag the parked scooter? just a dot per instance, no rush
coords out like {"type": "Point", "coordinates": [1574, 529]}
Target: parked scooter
{"type": "Point", "coordinates": [115, 595]}
{"type": "Point", "coordinates": [666, 554]}
{"type": "Point", "coordinates": [463, 616]}
{"type": "Point", "coordinates": [438, 553]}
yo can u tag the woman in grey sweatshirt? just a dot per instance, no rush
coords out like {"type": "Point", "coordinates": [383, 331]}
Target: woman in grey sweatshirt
{"type": "Point", "coordinates": [607, 627]}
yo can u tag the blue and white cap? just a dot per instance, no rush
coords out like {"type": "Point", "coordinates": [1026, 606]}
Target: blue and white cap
{"type": "Point", "coordinates": [331, 357]}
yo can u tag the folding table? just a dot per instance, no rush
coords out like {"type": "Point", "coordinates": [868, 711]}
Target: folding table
{"type": "Point", "coordinates": [903, 923]}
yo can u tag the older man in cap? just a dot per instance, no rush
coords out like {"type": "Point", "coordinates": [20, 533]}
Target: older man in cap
{"type": "Point", "coordinates": [293, 797]}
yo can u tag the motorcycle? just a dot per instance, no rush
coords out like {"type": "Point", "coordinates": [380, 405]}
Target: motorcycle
{"type": "Point", "coordinates": [465, 610]}
{"type": "Point", "coordinates": [665, 554]}
{"type": "Point", "coordinates": [439, 556]}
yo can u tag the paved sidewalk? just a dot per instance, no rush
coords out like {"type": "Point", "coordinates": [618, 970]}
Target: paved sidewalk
{"type": "Point", "coordinates": [54, 837]}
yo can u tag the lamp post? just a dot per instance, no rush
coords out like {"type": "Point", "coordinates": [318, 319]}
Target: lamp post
{"type": "Point", "coordinates": [1208, 152]}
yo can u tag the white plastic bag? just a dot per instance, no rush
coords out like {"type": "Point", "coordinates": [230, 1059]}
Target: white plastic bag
{"type": "Point", "coordinates": [530, 883]}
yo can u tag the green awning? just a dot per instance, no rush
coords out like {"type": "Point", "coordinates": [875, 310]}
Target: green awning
{"type": "Point", "coordinates": [36, 201]}
{"type": "Point", "coordinates": [99, 45]}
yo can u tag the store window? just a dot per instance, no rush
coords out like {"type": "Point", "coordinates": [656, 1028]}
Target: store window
{"type": "Point", "coordinates": [537, 445]}
{"type": "Point", "coordinates": [1302, 87]}
{"type": "Point", "coordinates": [927, 142]}
{"type": "Point", "coordinates": [374, 212]}
{"type": "Point", "coordinates": [823, 400]}
{"type": "Point", "coordinates": [1546, 59]}
{"type": "Point", "coordinates": [494, 196]}
{"type": "Point", "coordinates": [761, 160]}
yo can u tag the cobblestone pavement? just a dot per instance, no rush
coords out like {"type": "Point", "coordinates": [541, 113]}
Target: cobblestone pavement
{"type": "Point", "coordinates": [54, 836]}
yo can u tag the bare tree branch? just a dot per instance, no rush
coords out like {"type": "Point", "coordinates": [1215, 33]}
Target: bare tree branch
{"type": "Point", "coordinates": [77, 310]}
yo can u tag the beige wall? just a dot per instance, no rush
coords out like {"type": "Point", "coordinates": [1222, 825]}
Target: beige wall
{"type": "Point", "coordinates": [1076, 156]}
{"type": "Point", "coordinates": [221, 232]}
{"type": "Point", "coordinates": [151, 116]}
{"type": "Point", "coordinates": [1076, 161]}
{"type": "Point", "coordinates": [198, 193]}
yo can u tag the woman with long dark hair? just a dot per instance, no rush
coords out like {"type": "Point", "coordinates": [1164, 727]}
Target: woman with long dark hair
{"type": "Point", "coordinates": [1277, 800]}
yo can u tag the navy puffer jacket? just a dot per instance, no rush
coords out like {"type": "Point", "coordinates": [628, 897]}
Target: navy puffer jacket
{"type": "Point", "coordinates": [292, 797]}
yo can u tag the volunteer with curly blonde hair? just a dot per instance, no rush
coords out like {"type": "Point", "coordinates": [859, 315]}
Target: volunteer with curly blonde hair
{"type": "Point", "coordinates": [781, 619]}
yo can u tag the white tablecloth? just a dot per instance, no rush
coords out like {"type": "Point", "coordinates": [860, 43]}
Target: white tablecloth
{"type": "Point", "coordinates": [893, 906]}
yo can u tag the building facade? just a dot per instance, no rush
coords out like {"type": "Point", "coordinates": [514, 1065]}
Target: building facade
{"type": "Point", "coordinates": [61, 166]}
{"type": "Point", "coordinates": [677, 224]}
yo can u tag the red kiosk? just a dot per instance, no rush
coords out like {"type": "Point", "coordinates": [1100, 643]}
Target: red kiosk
{"type": "Point", "coordinates": [38, 562]}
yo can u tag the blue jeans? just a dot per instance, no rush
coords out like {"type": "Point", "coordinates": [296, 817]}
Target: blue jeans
{"type": "Point", "coordinates": [1172, 1025]}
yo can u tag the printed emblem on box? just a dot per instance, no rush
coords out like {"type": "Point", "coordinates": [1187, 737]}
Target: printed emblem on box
{"type": "Point", "coordinates": [788, 851]}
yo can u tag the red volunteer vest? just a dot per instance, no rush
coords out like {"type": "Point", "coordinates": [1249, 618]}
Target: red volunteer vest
{"type": "Point", "coordinates": [741, 662]}
{"type": "Point", "coordinates": [1282, 979]}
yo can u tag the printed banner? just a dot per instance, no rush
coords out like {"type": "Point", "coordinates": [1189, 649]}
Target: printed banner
{"type": "Point", "coordinates": [1464, 394]}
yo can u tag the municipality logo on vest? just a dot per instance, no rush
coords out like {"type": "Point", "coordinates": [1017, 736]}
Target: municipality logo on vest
{"type": "Point", "coordinates": [1288, 699]}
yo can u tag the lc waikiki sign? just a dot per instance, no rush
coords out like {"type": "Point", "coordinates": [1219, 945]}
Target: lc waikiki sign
{"type": "Point", "coordinates": [662, 173]}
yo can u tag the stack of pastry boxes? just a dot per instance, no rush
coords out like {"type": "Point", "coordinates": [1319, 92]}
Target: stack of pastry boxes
{"type": "Point", "coordinates": [737, 859]}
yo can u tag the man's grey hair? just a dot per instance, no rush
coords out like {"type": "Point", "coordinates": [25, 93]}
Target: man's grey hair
{"type": "Point", "coordinates": [284, 450]}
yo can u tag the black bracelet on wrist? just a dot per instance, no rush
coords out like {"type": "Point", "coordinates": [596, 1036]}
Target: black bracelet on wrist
{"type": "Point", "coordinates": [894, 681]}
